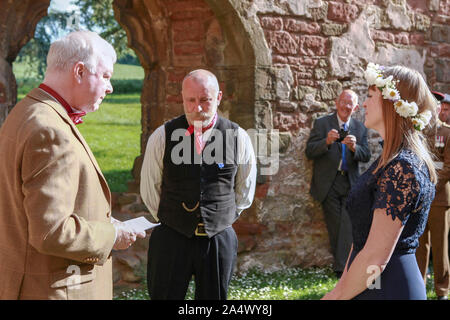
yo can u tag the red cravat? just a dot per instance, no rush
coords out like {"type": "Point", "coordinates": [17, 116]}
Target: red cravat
{"type": "Point", "coordinates": [199, 145]}
{"type": "Point", "coordinates": [75, 116]}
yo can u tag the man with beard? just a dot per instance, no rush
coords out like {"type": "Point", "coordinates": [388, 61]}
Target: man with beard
{"type": "Point", "coordinates": [198, 174]}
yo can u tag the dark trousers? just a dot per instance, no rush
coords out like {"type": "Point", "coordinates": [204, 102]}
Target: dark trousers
{"type": "Point", "coordinates": [173, 259]}
{"type": "Point", "coordinates": [338, 221]}
{"type": "Point", "coordinates": [436, 237]}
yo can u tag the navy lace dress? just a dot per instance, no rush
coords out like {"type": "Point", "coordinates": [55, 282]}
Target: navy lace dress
{"type": "Point", "coordinates": [404, 189]}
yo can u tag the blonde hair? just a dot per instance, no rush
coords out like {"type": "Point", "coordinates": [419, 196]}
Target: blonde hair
{"type": "Point", "coordinates": [79, 46]}
{"type": "Point", "coordinates": [399, 131]}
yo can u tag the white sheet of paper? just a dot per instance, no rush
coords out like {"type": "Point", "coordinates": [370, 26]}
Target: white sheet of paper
{"type": "Point", "coordinates": [140, 224]}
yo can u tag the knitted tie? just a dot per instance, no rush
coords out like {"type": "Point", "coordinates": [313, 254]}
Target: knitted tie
{"type": "Point", "coordinates": [344, 147]}
{"type": "Point", "coordinates": [198, 134]}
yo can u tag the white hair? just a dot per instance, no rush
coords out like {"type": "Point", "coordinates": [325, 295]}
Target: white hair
{"type": "Point", "coordinates": [79, 46]}
{"type": "Point", "coordinates": [352, 94]}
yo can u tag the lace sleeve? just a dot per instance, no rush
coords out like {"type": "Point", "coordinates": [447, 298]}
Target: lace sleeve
{"type": "Point", "coordinates": [397, 191]}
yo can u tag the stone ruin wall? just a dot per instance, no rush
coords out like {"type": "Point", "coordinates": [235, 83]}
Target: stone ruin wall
{"type": "Point", "coordinates": [303, 53]}
{"type": "Point", "coordinates": [280, 64]}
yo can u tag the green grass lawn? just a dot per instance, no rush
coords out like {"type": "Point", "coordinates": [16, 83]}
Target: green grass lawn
{"type": "Point", "coordinates": [288, 284]}
{"type": "Point", "coordinates": [121, 71]}
{"type": "Point", "coordinates": [113, 134]}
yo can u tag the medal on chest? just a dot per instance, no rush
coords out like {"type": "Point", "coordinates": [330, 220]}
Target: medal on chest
{"type": "Point", "coordinates": [439, 141]}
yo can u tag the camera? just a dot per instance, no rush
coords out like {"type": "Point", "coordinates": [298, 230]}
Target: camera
{"type": "Point", "coordinates": [342, 134]}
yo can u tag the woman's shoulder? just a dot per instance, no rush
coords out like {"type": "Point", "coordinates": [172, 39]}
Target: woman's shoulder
{"type": "Point", "coordinates": [406, 158]}
{"type": "Point", "coordinates": [407, 162]}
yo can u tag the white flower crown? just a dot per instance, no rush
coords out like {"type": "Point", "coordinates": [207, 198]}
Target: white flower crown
{"type": "Point", "coordinates": [374, 76]}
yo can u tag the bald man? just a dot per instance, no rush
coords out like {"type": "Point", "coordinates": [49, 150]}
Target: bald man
{"type": "Point", "coordinates": [198, 175]}
{"type": "Point", "coordinates": [337, 144]}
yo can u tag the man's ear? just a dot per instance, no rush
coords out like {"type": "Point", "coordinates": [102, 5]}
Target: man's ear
{"type": "Point", "coordinates": [219, 97]}
{"type": "Point", "coordinates": [78, 70]}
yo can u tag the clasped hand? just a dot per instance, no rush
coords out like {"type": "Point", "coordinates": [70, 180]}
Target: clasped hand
{"type": "Point", "coordinates": [349, 140]}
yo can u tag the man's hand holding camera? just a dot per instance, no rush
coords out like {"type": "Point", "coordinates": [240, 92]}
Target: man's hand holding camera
{"type": "Point", "coordinates": [343, 137]}
{"type": "Point", "coordinates": [350, 142]}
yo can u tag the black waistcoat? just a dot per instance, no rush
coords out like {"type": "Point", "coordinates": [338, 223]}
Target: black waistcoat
{"type": "Point", "coordinates": [199, 188]}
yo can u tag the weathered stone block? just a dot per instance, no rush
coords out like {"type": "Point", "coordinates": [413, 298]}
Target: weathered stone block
{"type": "Point", "coordinates": [320, 73]}
{"type": "Point", "coordinates": [440, 33]}
{"type": "Point", "coordinates": [302, 91]}
{"type": "Point", "coordinates": [318, 11]}
{"type": "Point", "coordinates": [402, 38]}
{"type": "Point", "coordinates": [285, 141]}
{"type": "Point", "coordinates": [441, 50]}
{"type": "Point", "coordinates": [284, 80]}
{"type": "Point", "coordinates": [442, 70]}
{"type": "Point", "coordinates": [342, 12]}
{"type": "Point", "coordinates": [272, 23]}
{"type": "Point", "coordinates": [433, 5]}
{"type": "Point", "coordinates": [417, 39]}
{"type": "Point", "coordinates": [287, 106]}
{"type": "Point", "coordinates": [333, 29]}
{"type": "Point", "coordinates": [281, 42]}
{"type": "Point", "coordinates": [380, 35]}
{"type": "Point", "coordinates": [399, 16]}
{"type": "Point", "coordinates": [422, 22]}
{"type": "Point", "coordinates": [330, 90]}
{"type": "Point", "coordinates": [299, 26]}
{"type": "Point", "coordinates": [313, 45]}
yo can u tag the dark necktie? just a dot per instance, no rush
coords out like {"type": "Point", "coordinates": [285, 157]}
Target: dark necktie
{"type": "Point", "coordinates": [198, 134]}
{"type": "Point", "coordinates": [344, 147]}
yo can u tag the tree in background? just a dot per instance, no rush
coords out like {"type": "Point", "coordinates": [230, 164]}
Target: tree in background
{"type": "Point", "coordinates": [94, 15]}
{"type": "Point", "coordinates": [34, 53]}
{"type": "Point", "coordinates": [98, 15]}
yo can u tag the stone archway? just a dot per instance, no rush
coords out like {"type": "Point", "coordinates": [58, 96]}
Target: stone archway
{"type": "Point", "coordinates": [173, 37]}
{"type": "Point", "coordinates": [18, 21]}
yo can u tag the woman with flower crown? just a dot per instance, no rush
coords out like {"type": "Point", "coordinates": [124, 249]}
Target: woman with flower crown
{"type": "Point", "coordinates": [389, 204]}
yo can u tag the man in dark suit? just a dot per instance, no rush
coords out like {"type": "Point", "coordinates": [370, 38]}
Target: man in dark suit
{"type": "Point", "coordinates": [337, 144]}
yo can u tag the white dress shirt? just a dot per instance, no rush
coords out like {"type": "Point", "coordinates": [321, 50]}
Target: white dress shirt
{"type": "Point", "coordinates": [152, 170]}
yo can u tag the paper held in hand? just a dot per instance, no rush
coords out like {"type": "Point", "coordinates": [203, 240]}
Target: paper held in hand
{"type": "Point", "coordinates": [140, 224]}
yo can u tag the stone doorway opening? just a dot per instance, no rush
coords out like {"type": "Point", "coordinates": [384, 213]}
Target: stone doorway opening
{"type": "Point", "coordinates": [170, 38]}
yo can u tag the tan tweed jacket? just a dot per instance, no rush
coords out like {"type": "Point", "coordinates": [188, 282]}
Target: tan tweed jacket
{"type": "Point", "coordinates": [55, 207]}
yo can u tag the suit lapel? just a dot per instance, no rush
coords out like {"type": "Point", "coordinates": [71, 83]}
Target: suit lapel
{"type": "Point", "coordinates": [44, 97]}
{"type": "Point", "coordinates": [335, 122]}
{"type": "Point", "coordinates": [335, 125]}
{"type": "Point", "coordinates": [352, 128]}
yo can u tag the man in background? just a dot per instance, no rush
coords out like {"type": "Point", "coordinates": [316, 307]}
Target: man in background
{"type": "Point", "coordinates": [337, 144]}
